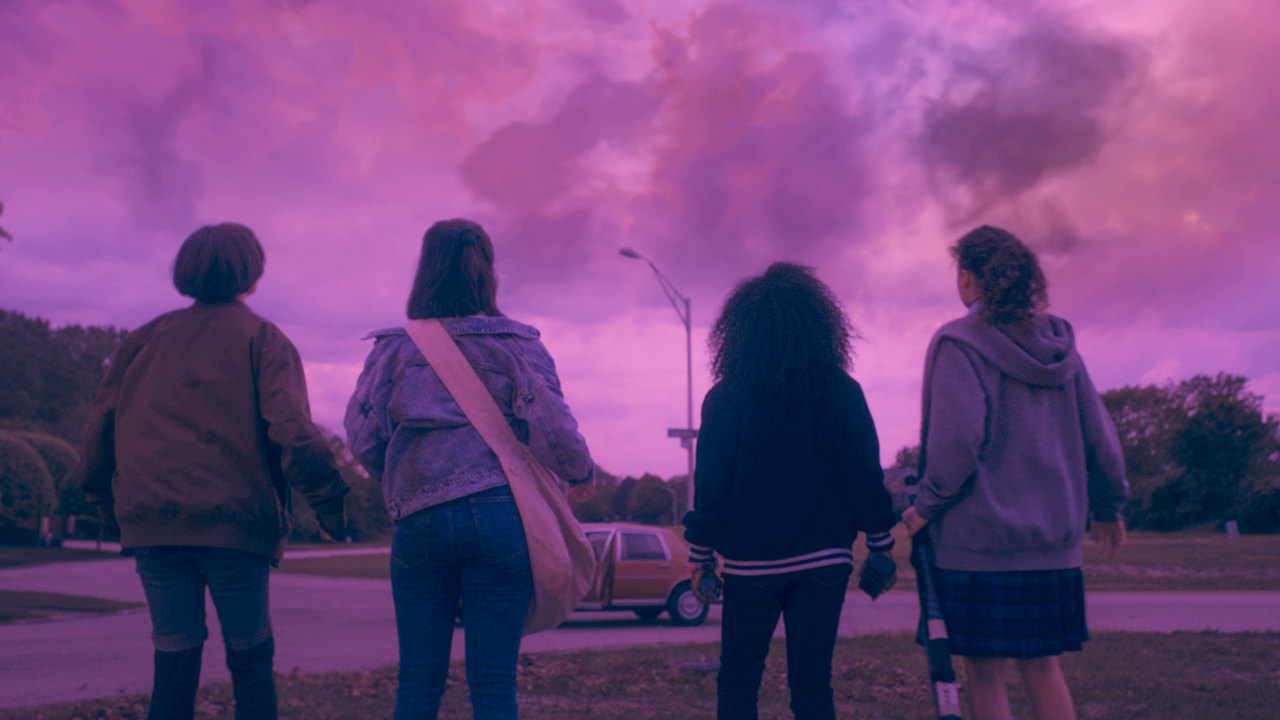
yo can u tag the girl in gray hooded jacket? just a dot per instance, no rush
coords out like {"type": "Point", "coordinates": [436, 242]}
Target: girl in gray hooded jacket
{"type": "Point", "coordinates": [1018, 455]}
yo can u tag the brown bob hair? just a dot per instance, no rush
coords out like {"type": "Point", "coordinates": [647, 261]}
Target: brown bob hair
{"type": "Point", "coordinates": [455, 275]}
{"type": "Point", "coordinates": [218, 263]}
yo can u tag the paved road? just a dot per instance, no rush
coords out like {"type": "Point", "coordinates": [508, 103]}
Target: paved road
{"type": "Point", "coordinates": [324, 624]}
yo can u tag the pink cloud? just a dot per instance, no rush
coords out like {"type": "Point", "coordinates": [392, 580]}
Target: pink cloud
{"type": "Point", "coordinates": [1131, 143]}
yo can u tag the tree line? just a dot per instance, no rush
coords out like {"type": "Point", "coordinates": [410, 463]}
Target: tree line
{"type": "Point", "coordinates": [1196, 451]}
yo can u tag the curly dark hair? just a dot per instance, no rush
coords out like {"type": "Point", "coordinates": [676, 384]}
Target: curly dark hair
{"type": "Point", "coordinates": [782, 332]}
{"type": "Point", "coordinates": [1009, 278]}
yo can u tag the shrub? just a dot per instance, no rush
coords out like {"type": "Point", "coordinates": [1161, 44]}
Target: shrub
{"type": "Point", "coordinates": [61, 459]}
{"type": "Point", "coordinates": [26, 487]}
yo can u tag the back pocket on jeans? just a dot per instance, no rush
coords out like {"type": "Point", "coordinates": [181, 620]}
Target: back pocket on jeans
{"type": "Point", "coordinates": [410, 542]}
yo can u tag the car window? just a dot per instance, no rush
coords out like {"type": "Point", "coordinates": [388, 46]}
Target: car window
{"type": "Point", "coordinates": [598, 539]}
{"type": "Point", "coordinates": [642, 546]}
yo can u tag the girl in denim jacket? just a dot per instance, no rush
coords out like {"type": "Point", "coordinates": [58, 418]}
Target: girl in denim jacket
{"type": "Point", "coordinates": [457, 530]}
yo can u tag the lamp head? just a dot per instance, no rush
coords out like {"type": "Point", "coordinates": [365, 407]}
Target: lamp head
{"type": "Point", "coordinates": [628, 252]}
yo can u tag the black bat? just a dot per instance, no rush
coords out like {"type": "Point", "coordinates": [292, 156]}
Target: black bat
{"type": "Point", "coordinates": [942, 676]}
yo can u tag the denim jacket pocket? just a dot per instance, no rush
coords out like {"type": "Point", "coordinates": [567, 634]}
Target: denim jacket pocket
{"type": "Point", "coordinates": [410, 543]}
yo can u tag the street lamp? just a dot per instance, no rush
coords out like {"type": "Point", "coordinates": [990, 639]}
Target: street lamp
{"type": "Point", "coordinates": [681, 304]}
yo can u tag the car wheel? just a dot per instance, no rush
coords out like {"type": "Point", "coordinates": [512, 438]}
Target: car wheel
{"type": "Point", "coordinates": [684, 607]}
{"type": "Point", "coordinates": [648, 613]}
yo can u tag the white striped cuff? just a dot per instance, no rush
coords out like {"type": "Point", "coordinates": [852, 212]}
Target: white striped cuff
{"type": "Point", "coordinates": [880, 541]}
{"type": "Point", "coordinates": [699, 553]}
{"type": "Point", "coordinates": [833, 556]}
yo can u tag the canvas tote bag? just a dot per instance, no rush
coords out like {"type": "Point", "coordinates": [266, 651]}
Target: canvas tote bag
{"type": "Point", "coordinates": [563, 563]}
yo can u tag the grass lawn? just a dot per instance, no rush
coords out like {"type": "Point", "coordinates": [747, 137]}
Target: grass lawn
{"type": "Point", "coordinates": [18, 605]}
{"type": "Point", "coordinates": [20, 556]}
{"type": "Point", "coordinates": [1188, 560]}
{"type": "Point", "coordinates": [1119, 676]}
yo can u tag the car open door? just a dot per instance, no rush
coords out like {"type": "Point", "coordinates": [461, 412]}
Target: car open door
{"type": "Point", "coordinates": [604, 543]}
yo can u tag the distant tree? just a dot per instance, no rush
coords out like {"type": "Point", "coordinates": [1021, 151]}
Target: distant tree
{"type": "Point", "coordinates": [600, 507]}
{"type": "Point", "coordinates": [48, 377]}
{"type": "Point", "coordinates": [650, 501]}
{"type": "Point", "coordinates": [907, 457]}
{"type": "Point", "coordinates": [1198, 451]}
{"type": "Point", "coordinates": [621, 496]}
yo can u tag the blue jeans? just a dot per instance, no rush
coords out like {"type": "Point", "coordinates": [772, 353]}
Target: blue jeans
{"type": "Point", "coordinates": [472, 548]}
{"type": "Point", "coordinates": [810, 602]}
{"type": "Point", "coordinates": [174, 580]}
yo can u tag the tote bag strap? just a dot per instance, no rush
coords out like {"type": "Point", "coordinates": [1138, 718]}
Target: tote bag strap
{"type": "Point", "coordinates": [462, 382]}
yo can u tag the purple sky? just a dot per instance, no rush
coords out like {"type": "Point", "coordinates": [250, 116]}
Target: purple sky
{"type": "Point", "coordinates": [1133, 143]}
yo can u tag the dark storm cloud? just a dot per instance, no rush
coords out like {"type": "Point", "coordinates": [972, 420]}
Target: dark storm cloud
{"type": "Point", "coordinates": [161, 184]}
{"type": "Point", "coordinates": [1035, 107]}
{"type": "Point", "coordinates": [760, 158]}
{"type": "Point", "coordinates": [532, 173]}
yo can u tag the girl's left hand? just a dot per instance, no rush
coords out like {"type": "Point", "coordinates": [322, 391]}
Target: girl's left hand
{"type": "Point", "coordinates": [913, 521]}
{"type": "Point", "coordinates": [582, 493]}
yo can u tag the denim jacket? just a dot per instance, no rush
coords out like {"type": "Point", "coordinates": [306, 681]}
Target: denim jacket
{"type": "Point", "coordinates": [404, 427]}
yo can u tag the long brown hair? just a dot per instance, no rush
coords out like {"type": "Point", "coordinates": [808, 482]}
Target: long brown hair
{"type": "Point", "coordinates": [455, 275]}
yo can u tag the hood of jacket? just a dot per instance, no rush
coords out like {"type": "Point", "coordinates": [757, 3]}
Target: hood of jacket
{"type": "Point", "coordinates": [1043, 355]}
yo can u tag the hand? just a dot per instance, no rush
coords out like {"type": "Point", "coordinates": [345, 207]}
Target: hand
{"type": "Point", "coordinates": [332, 526]}
{"type": "Point", "coordinates": [913, 521]}
{"type": "Point", "coordinates": [893, 579]}
{"type": "Point", "coordinates": [582, 493]}
{"type": "Point", "coordinates": [1110, 535]}
{"type": "Point", "coordinates": [695, 579]}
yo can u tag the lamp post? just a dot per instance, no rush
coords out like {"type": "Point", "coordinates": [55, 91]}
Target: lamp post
{"type": "Point", "coordinates": [681, 304]}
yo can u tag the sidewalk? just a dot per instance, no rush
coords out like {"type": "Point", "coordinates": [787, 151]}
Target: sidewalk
{"type": "Point", "coordinates": [325, 624]}
{"type": "Point", "coordinates": [335, 551]}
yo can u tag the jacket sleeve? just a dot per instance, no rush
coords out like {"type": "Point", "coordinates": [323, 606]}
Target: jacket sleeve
{"type": "Point", "coordinates": [717, 451]}
{"type": "Point", "coordinates": [97, 466]}
{"type": "Point", "coordinates": [1104, 459]}
{"type": "Point", "coordinates": [956, 430]}
{"type": "Point", "coordinates": [860, 472]}
{"type": "Point", "coordinates": [553, 432]}
{"type": "Point", "coordinates": [305, 458]}
{"type": "Point", "coordinates": [367, 421]}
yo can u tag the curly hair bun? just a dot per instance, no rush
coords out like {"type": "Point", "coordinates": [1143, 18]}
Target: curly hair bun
{"type": "Point", "coordinates": [1012, 286]}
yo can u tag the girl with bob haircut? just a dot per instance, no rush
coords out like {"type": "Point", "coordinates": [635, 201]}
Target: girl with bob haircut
{"type": "Point", "coordinates": [458, 533]}
{"type": "Point", "coordinates": [1017, 456]}
{"type": "Point", "coordinates": [200, 428]}
{"type": "Point", "coordinates": [788, 473]}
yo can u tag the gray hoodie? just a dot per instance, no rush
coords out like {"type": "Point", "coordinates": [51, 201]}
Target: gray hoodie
{"type": "Point", "coordinates": [1017, 450]}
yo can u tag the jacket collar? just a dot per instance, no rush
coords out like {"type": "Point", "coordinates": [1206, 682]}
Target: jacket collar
{"type": "Point", "coordinates": [475, 325]}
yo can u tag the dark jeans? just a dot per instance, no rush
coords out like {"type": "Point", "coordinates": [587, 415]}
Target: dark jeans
{"type": "Point", "coordinates": [472, 548]}
{"type": "Point", "coordinates": [809, 601]}
{"type": "Point", "coordinates": [174, 579]}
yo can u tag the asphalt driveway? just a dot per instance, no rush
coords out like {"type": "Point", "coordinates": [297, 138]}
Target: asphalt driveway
{"type": "Point", "coordinates": [324, 624]}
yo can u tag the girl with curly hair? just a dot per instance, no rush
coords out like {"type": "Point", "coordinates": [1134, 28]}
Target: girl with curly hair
{"type": "Point", "coordinates": [788, 473]}
{"type": "Point", "coordinates": [1017, 456]}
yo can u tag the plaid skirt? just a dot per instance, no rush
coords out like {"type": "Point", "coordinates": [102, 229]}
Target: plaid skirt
{"type": "Point", "coordinates": [1023, 614]}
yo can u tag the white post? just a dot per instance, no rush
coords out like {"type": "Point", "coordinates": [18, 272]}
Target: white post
{"type": "Point", "coordinates": [688, 337]}
{"type": "Point", "coordinates": [1233, 530]}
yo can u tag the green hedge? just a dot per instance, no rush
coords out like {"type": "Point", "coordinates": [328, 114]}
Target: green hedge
{"type": "Point", "coordinates": [61, 459]}
{"type": "Point", "coordinates": [27, 490]}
